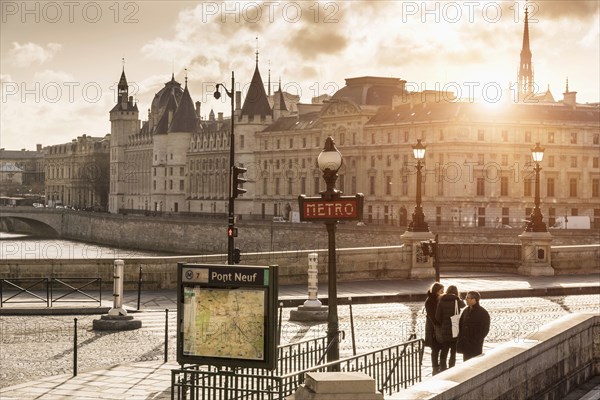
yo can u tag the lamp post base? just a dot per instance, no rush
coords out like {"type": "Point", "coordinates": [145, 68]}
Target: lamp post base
{"type": "Point", "coordinates": [421, 266]}
{"type": "Point", "coordinates": [536, 254]}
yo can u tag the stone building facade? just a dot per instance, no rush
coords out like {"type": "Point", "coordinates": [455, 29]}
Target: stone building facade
{"type": "Point", "coordinates": [77, 173]}
{"type": "Point", "coordinates": [478, 168]}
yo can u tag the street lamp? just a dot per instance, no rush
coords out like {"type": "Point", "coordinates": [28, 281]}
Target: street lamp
{"type": "Point", "coordinates": [329, 161]}
{"type": "Point", "coordinates": [536, 223]}
{"type": "Point", "coordinates": [231, 212]}
{"type": "Point", "coordinates": [418, 223]}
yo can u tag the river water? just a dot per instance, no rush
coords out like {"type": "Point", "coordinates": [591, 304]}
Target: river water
{"type": "Point", "coordinates": [23, 247]}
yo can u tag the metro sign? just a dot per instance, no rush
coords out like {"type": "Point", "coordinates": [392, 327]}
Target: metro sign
{"type": "Point", "coordinates": [346, 208]}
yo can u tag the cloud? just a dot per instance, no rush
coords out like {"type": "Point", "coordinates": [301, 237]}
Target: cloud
{"type": "Point", "coordinates": [48, 75]}
{"type": "Point", "coordinates": [555, 9]}
{"type": "Point", "coordinates": [28, 54]}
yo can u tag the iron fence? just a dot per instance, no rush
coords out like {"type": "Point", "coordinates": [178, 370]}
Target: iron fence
{"type": "Point", "coordinates": [393, 368]}
{"type": "Point", "coordinates": [49, 290]}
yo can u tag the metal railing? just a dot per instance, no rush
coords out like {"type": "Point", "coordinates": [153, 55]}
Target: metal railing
{"type": "Point", "coordinates": [393, 368]}
{"type": "Point", "coordinates": [48, 290]}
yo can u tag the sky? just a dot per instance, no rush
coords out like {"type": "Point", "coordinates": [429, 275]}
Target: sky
{"type": "Point", "coordinates": [61, 61]}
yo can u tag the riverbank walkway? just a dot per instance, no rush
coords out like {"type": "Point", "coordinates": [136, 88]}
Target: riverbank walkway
{"type": "Point", "coordinates": [152, 380]}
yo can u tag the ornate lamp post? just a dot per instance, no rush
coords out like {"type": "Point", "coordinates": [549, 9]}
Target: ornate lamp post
{"type": "Point", "coordinates": [536, 223]}
{"type": "Point", "coordinates": [418, 223]}
{"type": "Point", "coordinates": [329, 161]}
{"type": "Point", "coordinates": [231, 209]}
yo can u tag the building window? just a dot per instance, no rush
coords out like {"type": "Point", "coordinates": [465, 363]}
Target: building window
{"type": "Point", "coordinates": [372, 138]}
{"type": "Point", "coordinates": [405, 136]}
{"type": "Point", "coordinates": [481, 216]}
{"type": "Point", "coordinates": [278, 144]}
{"type": "Point", "coordinates": [551, 161]}
{"type": "Point", "coordinates": [265, 186]}
{"type": "Point", "coordinates": [290, 186]}
{"type": "Point", "coordinates": [527, 136]}
{"type": "Point", "coordinates": [266, 145]}
{"type": "Point", "coordinates": [316, 185]}
{"type": "Point", "coordinates": [276, 185]}
{"type": "Point", "coordinates": [441, 134]}
{"type": "Point", "coordinates": [596, 138]}
{"type": "Point", "coordinates": [595, 162]}
{"type": "Point", "coordinates": [550, 137]}
{"type": "Point", "coordinates": [303, 142]}
{"type": "Point", "coordinates": [291, 143]}
{"type": "Point", "coordinates": [388, 185]}
{"type": "Point", "coordinates": [573, 161]}
{"type": "Point", "coordinates": [181, 171]}
{"type": "Point", "coordinates": [389, 136]}
{"type": "Point", "coordinates": [480, 134]}
{"type": "Point", "coordinates": [550, 187]}
{"type": "Point", "coordinates": [551, 216]}
{"type": "Point", "coordinates": [171, 184]}
{"type": "Point", "coordinates": [389, 161]}
{"type": "Point", "coordinates": [574, 212]}
{"type": "Point", "coordinates": [241, 141]}
{"type": "Point", "coordinates": [527, 187]}
{"type": "Point", "coordinates": [480, 187]}
{"type": "Point", "coordinates": [504, 135]}
{"type": "Point", "coordinates": [505, 216]}
{"type": "Point", "coordinates": [372, 161]}
{"type": "Point", "coordinates": [372, 185]}
{"type": "Point", "coordinates": [573, 187]}
{"type": "Point", "coordinates": [504, 186]}
{"type": "Point", "coordinates": [573, 137]}
{"type": "Point", "coordinates": [341, 183]}
{"type": "Point", "coordinates": [595, 187]}
{"type": "Point", "coordinates": [481, 159]}
{"type": "Point", "coordinates": [504, 159]}
{"type": "Point", "coordinates": [181, 185]}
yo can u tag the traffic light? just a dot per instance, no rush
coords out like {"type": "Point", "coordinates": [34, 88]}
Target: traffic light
{"type": "Point", "coordinates": [237, 253]}
{"type": "Point", "coordinates": [232, 232]}
{"type": "Point", "coordinates": [428, 248]}
{"type": "Point", "coordinates": [238, 182]}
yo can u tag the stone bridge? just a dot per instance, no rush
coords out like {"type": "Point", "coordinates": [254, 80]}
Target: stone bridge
{"type": "Point", "coordinates": [43, 221]}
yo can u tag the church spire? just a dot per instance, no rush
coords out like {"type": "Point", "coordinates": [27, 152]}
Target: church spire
{"type": "Point", "coordinates": [525, 74]}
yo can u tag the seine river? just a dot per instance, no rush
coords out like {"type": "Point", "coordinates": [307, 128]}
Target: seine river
{"type": "Point", "coordinates": [23, 247]}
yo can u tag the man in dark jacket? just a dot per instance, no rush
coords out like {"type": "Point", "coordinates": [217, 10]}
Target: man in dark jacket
{"type": "Point", "coordinates": [474, 327]}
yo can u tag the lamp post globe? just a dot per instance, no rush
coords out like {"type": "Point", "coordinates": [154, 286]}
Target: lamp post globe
{"type": "Point", "coordinates": [330, 161]}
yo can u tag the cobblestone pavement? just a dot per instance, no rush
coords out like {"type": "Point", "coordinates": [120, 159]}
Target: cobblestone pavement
{"type": "Point", "coordinates": [35, 346]}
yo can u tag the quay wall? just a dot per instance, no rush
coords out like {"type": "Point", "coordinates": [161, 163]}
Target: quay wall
{"type": "Point", "coordinates": [548, 364]}
{"type": "Point", "coordinates": [359, 263]}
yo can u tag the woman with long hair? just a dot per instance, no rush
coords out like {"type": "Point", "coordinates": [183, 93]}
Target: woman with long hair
{"type": "Point", "coordinates": [433, 295]}
{"type": "Point", "coordinates": [446, 309]}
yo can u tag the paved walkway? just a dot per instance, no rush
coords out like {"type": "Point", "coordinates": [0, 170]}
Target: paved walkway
{"type": "Point", "coordinates": [151, 380]}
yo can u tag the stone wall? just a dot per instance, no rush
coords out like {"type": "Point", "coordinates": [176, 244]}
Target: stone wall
{"type": "Point", "coordinates": [360, 263]}
{"type": "Point", "coordinates": [548, 364]}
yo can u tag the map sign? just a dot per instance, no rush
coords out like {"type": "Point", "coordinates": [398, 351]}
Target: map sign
{"type": "Point", "coordinates": [226, 315]}
{"type": "Point", "coordinates": [224, 323]}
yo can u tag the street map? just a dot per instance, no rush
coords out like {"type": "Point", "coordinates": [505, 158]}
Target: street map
{"type": "Point", "coordinates": [225, 323]}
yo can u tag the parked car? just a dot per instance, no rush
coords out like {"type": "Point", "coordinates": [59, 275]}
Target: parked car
{"type": "Point", "coordinates": [279, 219]}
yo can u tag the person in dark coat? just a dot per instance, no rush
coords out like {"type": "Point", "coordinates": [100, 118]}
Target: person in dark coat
{"type": "Point", "coordinates": [474, 327]}
{"type": "Point", "coordinates": [444, 311]}
{"type": "Point", "coordinates": [433, 295]}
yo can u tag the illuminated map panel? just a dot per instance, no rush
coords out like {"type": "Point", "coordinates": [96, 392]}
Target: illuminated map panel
{"type": "Point", "coordinates": [224, 323]}
{"type": "Point", "coordinates": [226, 315]}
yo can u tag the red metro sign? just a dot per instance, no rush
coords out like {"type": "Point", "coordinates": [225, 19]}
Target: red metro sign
{"type": "Point", "coordinates": [345, 208]}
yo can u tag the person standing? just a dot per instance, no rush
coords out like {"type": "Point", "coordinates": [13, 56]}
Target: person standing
{"type": "Point", "coordinates": [433, 296]}
{"type": "Point", "coordinates": [445, 309]}
{"type": "Point", "coordinates": [474, 327]}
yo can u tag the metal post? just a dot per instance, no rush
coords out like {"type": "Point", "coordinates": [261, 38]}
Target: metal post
{"type": "Point", "coordinates": [166, 334]}
{"type": "Point", "coordinates": [436, 257]}
{"type": "Point", "coordinates": [279, 324]}
{"type": "Point", "coordinates": [139, 289]}
{"type": "Point", "coordinates": [231, 211]}
{"type": "Point", "coordinates": [75, 348]}
{"type": "Point", "coordinates": [332, 319]}
{"type": "Point", "coordinates": [352, 326]}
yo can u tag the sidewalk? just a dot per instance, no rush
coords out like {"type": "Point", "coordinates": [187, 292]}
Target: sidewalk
{"type": "Point", "coordinates": [490, 285]}
{"type": "Point", "coordinates": [152, 379]}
